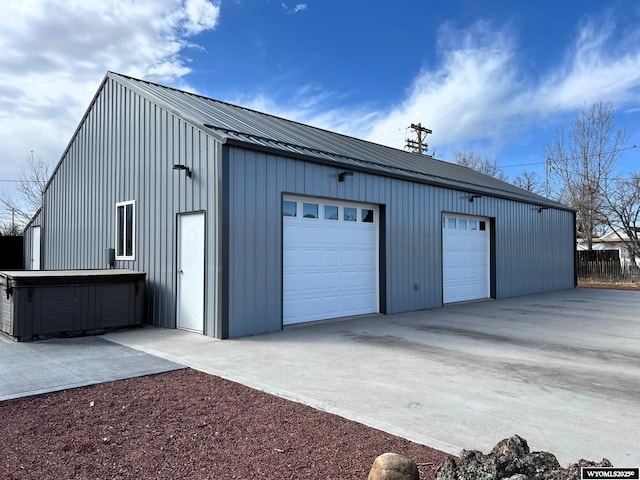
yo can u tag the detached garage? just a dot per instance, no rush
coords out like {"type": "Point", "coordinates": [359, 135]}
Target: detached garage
{"type": "Point", "coordinates": [245, 223]}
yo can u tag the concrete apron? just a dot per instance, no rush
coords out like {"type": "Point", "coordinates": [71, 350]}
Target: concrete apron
{"type": "Point", "coordinates": [560, 369]}
{"type": "Point", "coordinates": [34, 368]}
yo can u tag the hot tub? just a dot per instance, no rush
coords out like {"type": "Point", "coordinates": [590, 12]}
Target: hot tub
{"type": "Point", "coordinates": [44, 303]}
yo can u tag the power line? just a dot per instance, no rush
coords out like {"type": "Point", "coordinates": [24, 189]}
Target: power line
{"type": "Point", "coordinates": [389, 134]}
{"type": "Point", "coordinates": [523, 164]}
{"type": "Point", "coordinates": [617, 150]}
{"type": "Point", "coordinates": [19, 181]}
{"type": "Point", "coordinates": [574, 158]}
{"type": "Point", "coordinates": [584, 175]}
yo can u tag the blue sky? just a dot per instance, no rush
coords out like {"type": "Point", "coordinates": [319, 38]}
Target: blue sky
{"type": "Point", "coordinates": [496, 78]}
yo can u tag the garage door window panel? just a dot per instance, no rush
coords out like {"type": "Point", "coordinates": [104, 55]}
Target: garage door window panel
{"type": "Point", "coordinates": [289, 208]}
{"type": "Point", "coordinates": [350, 214]}
{"type": "Point", "coordinates": [310, 210]}
{"type": "Point", "coordinates": [330, 212]}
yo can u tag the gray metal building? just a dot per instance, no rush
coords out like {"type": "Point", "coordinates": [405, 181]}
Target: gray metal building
{"type": "Point", "coordinates": [245, 222]}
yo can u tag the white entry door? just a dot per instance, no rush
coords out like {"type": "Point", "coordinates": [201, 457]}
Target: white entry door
{"type": "Point", "coordinates": [190, 309]}
{"type": "Point", "coordinates": [35, 248]}
{"type": "Point", "coordinates": [465, 260]}
{"type": "Point", "coordinates": [330, 259]}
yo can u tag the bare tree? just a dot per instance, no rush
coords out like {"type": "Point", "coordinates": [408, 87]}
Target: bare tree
{"type": "Point", "coordinates": [622, 212]}
{"type": "Point", "coordinates": [583, 161]}
{"type": "Point", "coordinates": [9, 228]}
{"type": "Point", "coordinates": [30, 186]}
{"type": "Point", "coordinates": [481, 164]}
{"type": "Point", "coordinates": [530, 181]}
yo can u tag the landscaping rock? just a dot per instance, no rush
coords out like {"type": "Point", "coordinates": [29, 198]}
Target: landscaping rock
{"type": "Point", "coordinates": [573, 471]}
{"type": "Point", "coordinates": [391, 466]}
{"type": "Point", "coordinates": [509, 455]}
{"type": "Point", "coordinates": [448, 470]}
{"type": "Point", "coordinates": [540, 466]}
{"type": "Point", "coordinates": [511, 459]}
{"type": "Point", "coordinates": [477, 465]}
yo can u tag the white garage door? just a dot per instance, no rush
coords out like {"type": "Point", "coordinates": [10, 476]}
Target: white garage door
{"type": "Point", "coordinates": [330, 259]}
{"type": "Point", "coordinates": [465, 263]}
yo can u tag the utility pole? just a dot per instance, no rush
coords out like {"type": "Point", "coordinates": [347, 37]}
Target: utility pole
{"type": "Point", "coordinates": [418, 143]}
{"type": "Point", "coordinates": [547, 165]}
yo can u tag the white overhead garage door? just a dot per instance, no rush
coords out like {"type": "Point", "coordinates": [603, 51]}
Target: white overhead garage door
{"type": "Point", "coordinates": [330, 259]}
{"type": "Point", "coordinates": [465, 262]}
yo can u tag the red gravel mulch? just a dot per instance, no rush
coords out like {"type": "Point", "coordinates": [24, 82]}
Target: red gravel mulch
{"type": "Point", "coordinates": [187, 424]}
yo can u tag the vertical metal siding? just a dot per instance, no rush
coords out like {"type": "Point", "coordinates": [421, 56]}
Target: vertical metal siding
{"type": "Point", "coordinates": [534, 251]}
{"type": "Point", "coordinates": [125, 150]}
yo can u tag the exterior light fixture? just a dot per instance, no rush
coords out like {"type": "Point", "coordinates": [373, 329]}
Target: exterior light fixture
{"type": "Point", "coordinates": [183, 167]}
{"type": "Point", "coordinates": [474, 196]}
{"type": "Point", "coordinates": [343, 175]}
{"type": "Point", "coordinates": [540, 209]}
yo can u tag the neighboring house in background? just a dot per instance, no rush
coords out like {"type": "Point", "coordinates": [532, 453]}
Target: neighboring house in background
{"type": "Point", "coordinates": [612, 241]}
{"type": "Point", "coordinates": [245, 222]}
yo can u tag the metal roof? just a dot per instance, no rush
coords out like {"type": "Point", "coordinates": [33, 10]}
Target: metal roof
{"type": "Point", "coordinates": [242, 126]}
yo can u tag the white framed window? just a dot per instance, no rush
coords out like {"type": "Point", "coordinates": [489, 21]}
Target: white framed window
{"type": "Point", "coordinates": [125, 230]}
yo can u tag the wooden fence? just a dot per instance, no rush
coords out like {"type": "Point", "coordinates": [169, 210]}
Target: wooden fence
{"type": "Point", "coordinates": [605, 266]}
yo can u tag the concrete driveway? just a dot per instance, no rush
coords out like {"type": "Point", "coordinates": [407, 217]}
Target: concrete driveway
{"type": "Point", "coordinates": [560, 369]}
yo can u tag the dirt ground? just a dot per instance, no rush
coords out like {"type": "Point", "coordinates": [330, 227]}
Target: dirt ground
{"type": "Point", "coordinates": [610, 286]}
{"type": "Point", "coordinates": [188, 425]}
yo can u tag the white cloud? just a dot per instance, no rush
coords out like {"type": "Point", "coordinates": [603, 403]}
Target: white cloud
{"type": "Point", "coordinates": [478, 94]}
{"type": "Point", "coordinates": [54, 55]}
{"type": "Point", "coordinates": [200, 15]}
{"type": "Point", "coordinates": [597, 68]}
{"type": "Point", "coordinates": [466, 96]}
{"type": "Point", "coordinates": [307, 104]}
{"type": "Point", "coordinates": [300, 7]}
